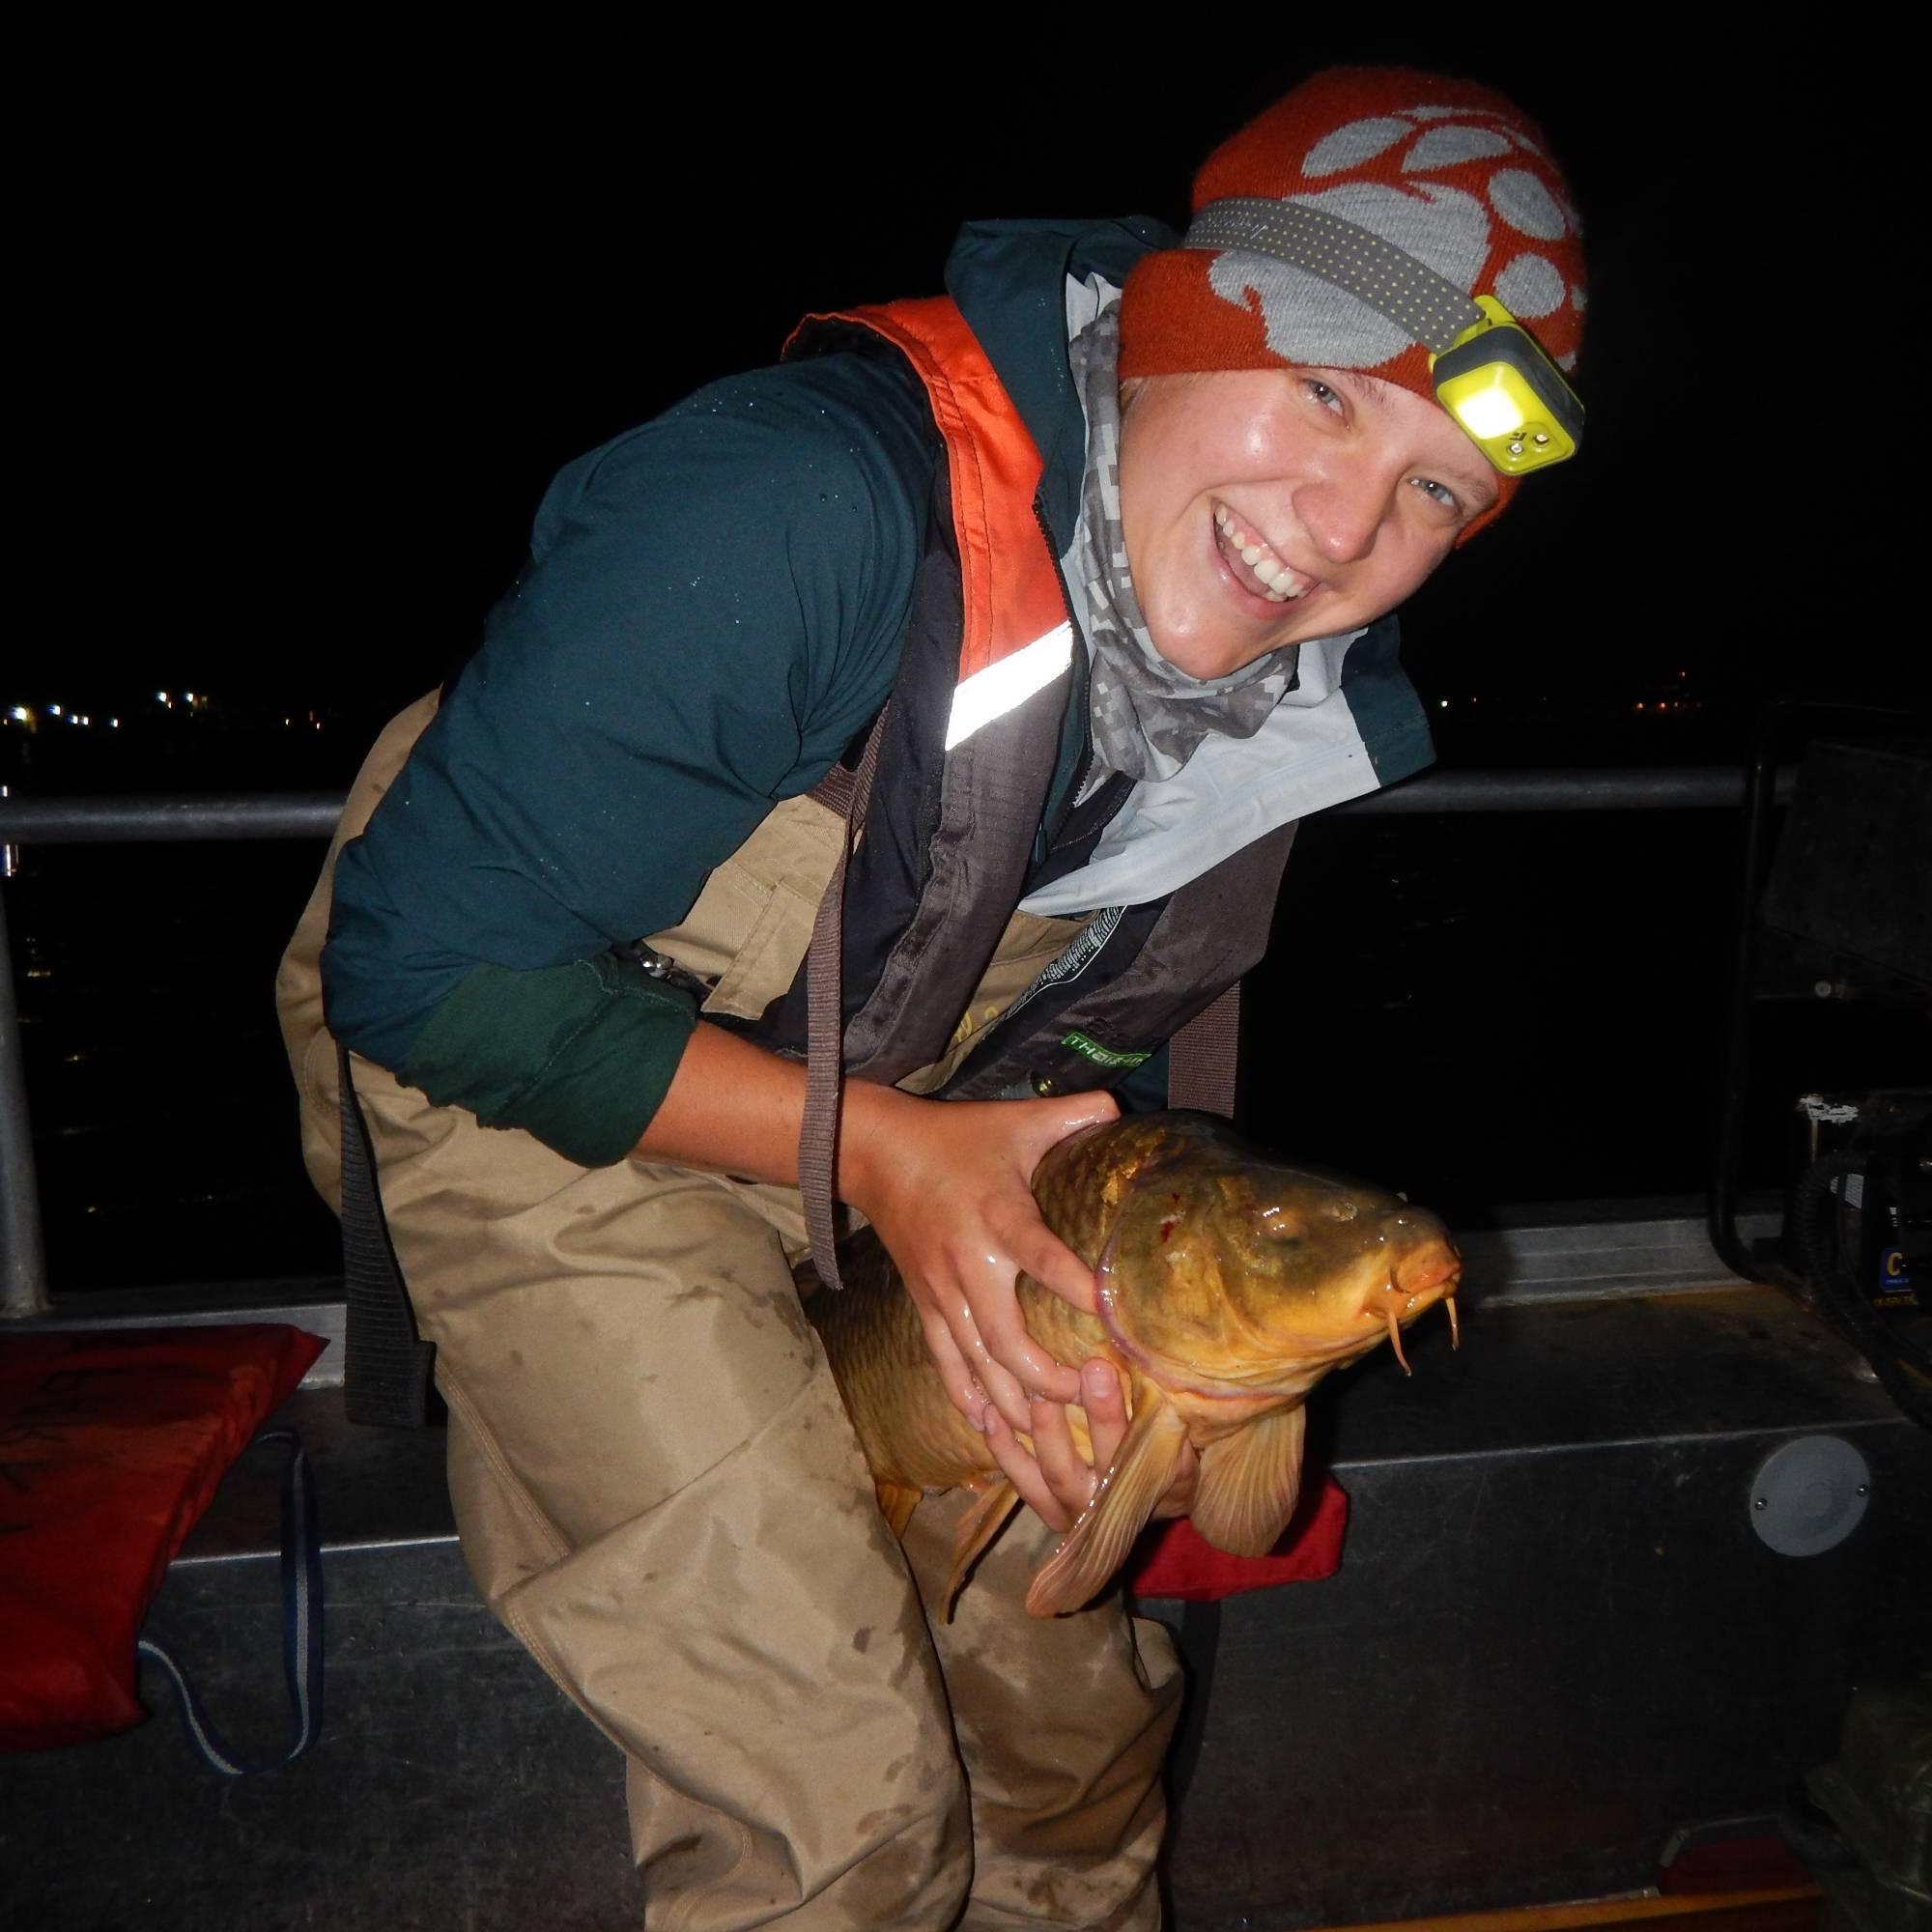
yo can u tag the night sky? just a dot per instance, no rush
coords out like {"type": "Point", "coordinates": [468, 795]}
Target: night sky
{"type": "Point", "coordinates": [324, 329]}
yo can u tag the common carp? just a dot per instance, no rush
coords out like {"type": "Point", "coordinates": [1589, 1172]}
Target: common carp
{"type": "Point", "coordinates": [1229, 1282]}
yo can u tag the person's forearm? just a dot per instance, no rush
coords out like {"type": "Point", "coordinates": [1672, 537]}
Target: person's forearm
{"type": "Point", "coordinates": [735, 1108]}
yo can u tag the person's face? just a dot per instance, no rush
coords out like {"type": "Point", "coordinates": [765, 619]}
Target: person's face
{"type": "Point", "coordinates": [1263, 507]}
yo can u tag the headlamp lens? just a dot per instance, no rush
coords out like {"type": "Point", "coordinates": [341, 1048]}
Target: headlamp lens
{"type": "Point", "coordinates": [1487, 412]}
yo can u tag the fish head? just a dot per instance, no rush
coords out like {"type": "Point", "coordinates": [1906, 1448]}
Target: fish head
{"type": "Point", "coordinates": [1227, 1271]}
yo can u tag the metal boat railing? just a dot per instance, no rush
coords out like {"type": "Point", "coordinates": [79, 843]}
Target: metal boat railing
{"type": "Point", "coordinates": [189, 817]}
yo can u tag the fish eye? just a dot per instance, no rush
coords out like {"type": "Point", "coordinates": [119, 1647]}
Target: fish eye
{"type": "Point", "coordinates": [1278, 1226]}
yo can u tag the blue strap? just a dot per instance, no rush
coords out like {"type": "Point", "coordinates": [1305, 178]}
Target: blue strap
{"type": "Point", "coordinates": [302, 1624]}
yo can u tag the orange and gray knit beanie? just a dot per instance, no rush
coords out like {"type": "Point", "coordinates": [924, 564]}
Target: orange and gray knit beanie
{"type": "Point", "coordinates": [1446, 171]}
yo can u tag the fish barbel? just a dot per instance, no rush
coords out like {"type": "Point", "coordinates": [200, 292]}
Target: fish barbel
{"type": "Point", "coordinates": [1230, 1283]}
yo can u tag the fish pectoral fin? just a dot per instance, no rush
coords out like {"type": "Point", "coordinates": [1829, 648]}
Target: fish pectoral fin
{"type": "Point", "coordinates": [1097, 1543]}
{"type": "Point", "coordinates": [976, 1529]}
{"type": "Point", "coordinates": [1248, 1483]}
{"type": "Point", "coordinates": [897, 1501]}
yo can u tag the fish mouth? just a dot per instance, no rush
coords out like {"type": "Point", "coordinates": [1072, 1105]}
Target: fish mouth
{"type": "Point", "coordinates": [1417, 1279]}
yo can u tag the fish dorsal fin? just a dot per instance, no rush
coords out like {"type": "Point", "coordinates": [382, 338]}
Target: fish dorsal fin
{"type": "Point", "coordinates": [977, 1528]}
{"type": "Point", "coordinates": [1248, 1483]}
{"type": "Point", "coordinates": [1097, 1543]}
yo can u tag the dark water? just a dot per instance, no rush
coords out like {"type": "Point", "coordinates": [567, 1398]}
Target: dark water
{"type": "Point", "coordinates": [1484, 1012]}
{"type": "Point", "coordinates": [164, 1121]}
{"type": "Point", "coordinates": [1495, 1012]}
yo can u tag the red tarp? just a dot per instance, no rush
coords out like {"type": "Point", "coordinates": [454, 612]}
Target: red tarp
{"type": "Point", "coordinates": [111, 1444]}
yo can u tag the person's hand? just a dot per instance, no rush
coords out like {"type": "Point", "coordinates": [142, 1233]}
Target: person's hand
{"type": "Point", "coordinates": [948, 1187]}
{"type": "Point", "coordinates": [1056, 1481]}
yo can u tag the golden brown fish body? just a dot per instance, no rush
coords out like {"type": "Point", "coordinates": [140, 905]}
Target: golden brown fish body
{"type": "Point", "coordinates": [1230, 1283]}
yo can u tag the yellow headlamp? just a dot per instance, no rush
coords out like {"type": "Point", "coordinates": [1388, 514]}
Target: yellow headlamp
{"type": "Point", "coordinates": [1503, 391]}
{"type": "Point", "coordinates": [1509, 398]}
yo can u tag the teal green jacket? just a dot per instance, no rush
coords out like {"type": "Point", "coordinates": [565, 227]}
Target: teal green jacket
{"type": "Point", "coordinates": [712, 611]}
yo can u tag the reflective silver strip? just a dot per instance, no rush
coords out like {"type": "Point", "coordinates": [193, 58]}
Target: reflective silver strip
{"type": "Point", "coordinates": [992, 693]}
{"type": "Point", "coordinates": [1428, 307]}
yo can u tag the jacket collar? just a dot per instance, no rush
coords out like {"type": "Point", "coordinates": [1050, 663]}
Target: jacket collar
{"type": "Point", "coordinates": [1010, 280]}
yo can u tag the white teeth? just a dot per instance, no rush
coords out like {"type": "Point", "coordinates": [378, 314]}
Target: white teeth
{"type": "Point", "coordinates": [1275, 576]}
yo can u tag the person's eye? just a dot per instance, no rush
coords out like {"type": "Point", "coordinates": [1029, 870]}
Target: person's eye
{"type": "Point", "coordinates": [1437, 493]}
{"type": "Point", "coordinates": [1328, 398]}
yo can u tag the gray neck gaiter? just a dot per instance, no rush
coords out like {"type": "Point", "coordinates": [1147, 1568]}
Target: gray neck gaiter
{"type": "Point", "coordinates": [1148, 716]}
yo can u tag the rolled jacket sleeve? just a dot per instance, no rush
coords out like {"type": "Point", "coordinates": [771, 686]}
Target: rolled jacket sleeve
{"type": "Point", "coordinates": [572, 1054]}
{"type": "Point", "coordinates": [712, 610]}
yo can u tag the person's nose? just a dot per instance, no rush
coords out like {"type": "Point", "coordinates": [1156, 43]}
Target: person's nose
{"type": "Point", "coordinates": [1342, 509]}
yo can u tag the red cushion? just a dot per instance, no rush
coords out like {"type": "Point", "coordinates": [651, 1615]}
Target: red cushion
{"type": "Point", "coordinates": [1173, 1560]}
{"type": "Point", "coordinates": [111, 1444]}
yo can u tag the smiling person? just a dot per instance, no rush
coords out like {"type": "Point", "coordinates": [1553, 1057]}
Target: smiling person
{"type": "Point", "coordinates": [1087, 568]}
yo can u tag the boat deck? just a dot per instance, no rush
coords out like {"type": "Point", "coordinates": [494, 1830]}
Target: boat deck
{"type": "Point", "coordinates": [1554, 1638]}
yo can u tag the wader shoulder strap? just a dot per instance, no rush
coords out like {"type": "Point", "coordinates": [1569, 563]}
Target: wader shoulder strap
{"type": "Point", "coordinates": [387, 1376]}
{"type": "Point", "coordinates": [1203, 1057]}
{"type": "Point", "coordinates": [825, 1026]}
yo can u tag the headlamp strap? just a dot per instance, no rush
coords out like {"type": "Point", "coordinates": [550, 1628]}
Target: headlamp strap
{"type": "Point", "coordinates": [1429, 308]}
